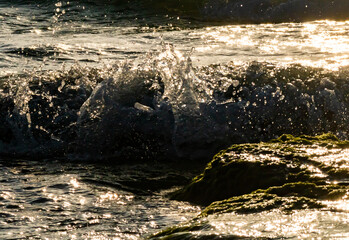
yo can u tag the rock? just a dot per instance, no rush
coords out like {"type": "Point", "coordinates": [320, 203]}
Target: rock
{"type": "Point", "coordinates": [244, 168]}
{"type": "Point", "coordinates": [290, 196]}
{"type": "Point", "coordinates": [268, 182]}
{"type": "Point", "coordinates": [192, 231]}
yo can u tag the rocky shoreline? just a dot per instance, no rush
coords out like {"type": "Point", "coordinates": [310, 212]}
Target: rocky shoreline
{"type": "Point", "coordinates": [285, 174]}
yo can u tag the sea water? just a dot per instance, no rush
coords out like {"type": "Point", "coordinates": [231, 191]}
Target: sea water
{"type": "Point", "coordinates": [89, 84]}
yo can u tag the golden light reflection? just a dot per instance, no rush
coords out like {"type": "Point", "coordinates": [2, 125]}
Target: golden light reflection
{"type": "Point", "coordinates": [274, 224]}
{"type": "Point", "coordinates": [74, 182]}
{"type": "Point", "coordinates": [94, 221]}
{"type": "Point", "coordinates": [107, 215]}
{"type": "Point", "coordinates": [64, 47]}
{"type": "Point", "coordinates": [109, 196]}
{"type": "Point", "coordinates": [54, 197]}
{"type": "Point", "coordinates": [309, 27]}
{"type": "Point", "coordinates": [37, 31]}
{"type": "Point", "coordinates": [338, 158]}
{"type": "Point", "coordinates": [318, 151]}
{"type": "Point", "coordinates": [6, 195]}
{"type": "Point", "coordinates": [66, 204]}
{"type": "Point", "coordinates": [341, 205]}
{"type": "Point", "coordinates": [323, 44]}
{"type": "Point", "coordinates": [83, 201]}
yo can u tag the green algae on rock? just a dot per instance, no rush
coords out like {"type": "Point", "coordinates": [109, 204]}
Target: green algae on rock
{"type": "Point", "coordinates": [290, 196]}
{"type": "Point", "coordinates": [181, 231]}
{"type": "Point", "coordinates": [309, 190]}
{"type": "Point", "coordinates": [194, 230]}
{"type": "Point", "coordinates": [244, 168]}
{"type": "Point", "coordinates": [258, 202]}
{"type": "Point", "coordinates": [288, 175]}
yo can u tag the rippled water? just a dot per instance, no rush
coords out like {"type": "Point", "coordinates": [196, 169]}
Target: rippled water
{"type": "Point", "coordinates": [47, 35]}
{"type": "Point", "coordinates": [55, 200]}
{"type": "Point", "coordinates": [303, 224]}
{"type": "Point", "coordinates": [69, 77]}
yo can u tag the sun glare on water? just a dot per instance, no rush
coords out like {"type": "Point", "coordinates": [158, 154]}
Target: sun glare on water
{"type": "Point", "coordinates": [74, 182]}
{"type": "Point", "coordinates": [323, 44]}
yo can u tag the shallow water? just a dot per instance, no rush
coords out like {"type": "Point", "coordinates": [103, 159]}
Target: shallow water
{"type": "Point", "coordinates": [116, 80]}
{"type": "Point", "coordinates": [55, 200]}
{"type": "Point", "coordinates": [303, 224]}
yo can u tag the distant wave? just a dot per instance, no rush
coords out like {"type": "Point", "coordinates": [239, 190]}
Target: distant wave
{"type": "Point", "coordinates": [256, 11]}
{"type": "Point", "coordinates": [163, 108]}
{"type": "Point", "coordinates": [230, 11]}
{"type": "Point", "coordinates": [248, 11]}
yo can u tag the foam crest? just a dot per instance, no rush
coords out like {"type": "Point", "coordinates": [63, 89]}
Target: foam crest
{"type": "Point", "coordinates": [161, 107]}
{"type": "Point", "coordinates": [154, 101]}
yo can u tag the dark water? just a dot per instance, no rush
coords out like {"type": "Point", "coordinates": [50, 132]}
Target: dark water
{"type": "Point", "coordinates": [126, 82]}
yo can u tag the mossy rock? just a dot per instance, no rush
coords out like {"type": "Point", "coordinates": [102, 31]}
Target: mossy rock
{"type": "Point", "coordinates": [180, 231]}
{"type": "Point", "coordinates": [290, 196]}
{"type": "Point", "coordinates": [285, 198]}
{"type": "Point", "coordinates": [324, 140]}
{"type": "Point", "coordinates": [244, 168]}
{"type": "Point", "coordinates": [194, 230]}
{"type": "Point", "coordinates": [286, 174]}
{"type": "Point", "coordinates": [258, 202]}
{"type": "Point", "coordinates": [310, 190]}
{"type": "Point", "coordinates": [232, 179]}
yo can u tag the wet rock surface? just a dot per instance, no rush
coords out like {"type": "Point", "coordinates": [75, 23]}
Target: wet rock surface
{"type": "Point", "coordinates": [286, 174]}
{"type": "Point", "coordinates": [244, 168]}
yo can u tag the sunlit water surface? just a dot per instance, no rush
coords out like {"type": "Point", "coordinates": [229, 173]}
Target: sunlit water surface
{"type": "Point", "coordinates": [52, 200]}
{"type": "Point", "coordinates": [47, 37]}
{"type": "Point", "coordinates": [59, 200]}
{"type": "Point", "coordinates": [303, 224]}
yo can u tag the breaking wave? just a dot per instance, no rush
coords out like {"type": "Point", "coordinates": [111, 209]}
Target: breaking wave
{"type": "Point", "coordinates": [161, 107]}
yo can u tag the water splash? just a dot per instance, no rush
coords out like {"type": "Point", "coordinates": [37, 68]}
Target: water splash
{"type": "Point", "coordinates": [160, 106]}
